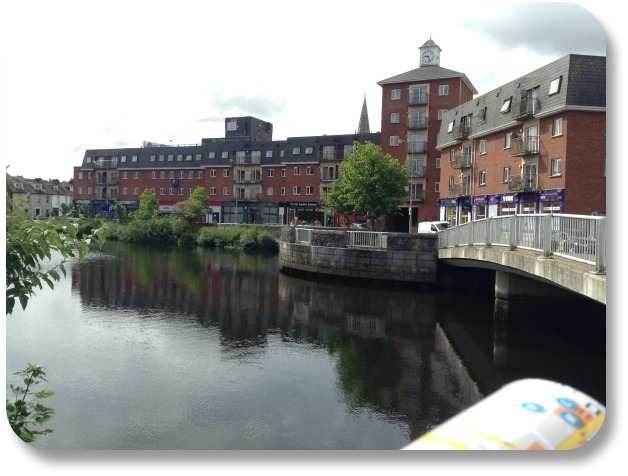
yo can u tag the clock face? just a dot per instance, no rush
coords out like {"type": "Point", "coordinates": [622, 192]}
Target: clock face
{"type": "Point", "coordinates": [428, 56]}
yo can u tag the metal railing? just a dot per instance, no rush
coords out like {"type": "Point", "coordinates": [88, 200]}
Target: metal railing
{"type": "Point", "coordinates": [304, 235]}
{"type": "Point", "coordinates": [576, 237]}
{"type": "Point", "coordinates": [367, 239]}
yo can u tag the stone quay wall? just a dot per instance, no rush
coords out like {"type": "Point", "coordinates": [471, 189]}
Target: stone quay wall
{"type": "Point", "coordinates": [408, 257]}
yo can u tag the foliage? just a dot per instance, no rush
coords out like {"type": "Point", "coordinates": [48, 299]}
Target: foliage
{"type": "Point", "coordinates": [147, 231]}
{"type": "Point", "coordinates": [149, 206]}
{"type": "Point", "coordinates": [187, 216]}
{"type": "Point", "coordinates": [30, 241]}
{"type": "Point", "coordinates": [244, 238]}
{"type": "Point", "coordinates": [120, 212]}
{"type": "Point", "coordinates": [25, 412]}
{"type": "Point", "coordinates": [372, 183]}
{"type": "Point", "coordinates": [64, 208]}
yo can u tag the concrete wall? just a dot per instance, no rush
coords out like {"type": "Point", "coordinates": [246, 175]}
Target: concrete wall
{"type": "Point", "coordinates": [409, 257]}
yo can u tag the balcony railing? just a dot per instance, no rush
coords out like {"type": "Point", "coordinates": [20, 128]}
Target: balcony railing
{"type": "Point", "coordinates": [461, 131]}
{"type": "Point", "coordinates": [245, 180]}
{"type": "Point", "coordinates": [416, 196]}
{"type": "Point", "coordinates": [106, 163]}
{"type": "Point", "coordinates": [523, 183]}
{"type": "Point", "coordinates": [416, 147]}
{"type": "Point", "coordinates": [417, 171]}
{"type": "Point", "coordinates": [461, 161]}
{"type": "Point", "coordinates": [417, 123]}
{"type": "Point", "coordinates": [460, 190]}
{"type": "Point", "coordinates": [521, 146]}
{"type": "Point", "coordinates": [525, 107]}
{"type": "Point", "coordinates": [418, 99]}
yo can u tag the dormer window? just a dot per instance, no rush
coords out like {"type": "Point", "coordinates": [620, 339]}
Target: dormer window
{"type": "Point", "coordinates": [554, 87]}
{"type": "Point", "coordinates": [506, 106]}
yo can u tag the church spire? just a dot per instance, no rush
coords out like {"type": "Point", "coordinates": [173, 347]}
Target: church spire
{"type": "Point", "coordinates": [364, 127]}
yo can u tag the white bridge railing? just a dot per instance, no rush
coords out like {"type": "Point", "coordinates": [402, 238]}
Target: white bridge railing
{"type": "Point", "coordinates": [576, 237]}
{"type": "Point", "coordinates": [367, 239]}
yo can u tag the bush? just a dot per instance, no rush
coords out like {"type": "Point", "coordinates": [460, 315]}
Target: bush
{"type": "Point", "coordinates": [148, 231]}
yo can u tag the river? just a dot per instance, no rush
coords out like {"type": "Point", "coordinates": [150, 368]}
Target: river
{"type": "Point", "coordinates": [158, 347]}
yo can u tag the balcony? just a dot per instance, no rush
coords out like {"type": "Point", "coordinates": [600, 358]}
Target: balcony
{"type": "Point", "coordinates": [416, 147]}
{"type": "Point", "coordinates": [522, 146]}
{"type": "Point", "coordinates": [247, 180]}
{"type": "Point", "coordinates": [418, 99]}
{"type": "Point", "coordinates": [461, 131]}
{"type": "Point", "coordinates": [460, 190]}
{"type": "Point", "coordinates": [418, 171]}
{"type": "Point", "coordinates": [324, 155]}
{"type": "Point", "coordinates": [417, 123]}
{"type": "Point", "coordinates": [461, 161]}
{"type": "Point", "coordinates": [417, 196]}
{"type": "Point", "coordinates": [525, 108]}
{"type": "Point", "coordinates": [523, 183]}
{"type": "Point", "coordinates": [247, 159]}
{"type": "Point", "coordinates": [106, 163]}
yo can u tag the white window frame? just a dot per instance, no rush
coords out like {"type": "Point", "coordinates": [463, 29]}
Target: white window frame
{"type": "Point", "coordinates": [437, 187]}
{"type": "Point", "coordinates": [269, 191]}
{"type": "Point", "coordinates": [395, 94]}
{"type": "Point", "coordinates": [297, 170]}
{"type": "Point", "coordinates": [441, 113]}
{"type": "Point", "coordinates": [506, 174]}
{"type": "Point", "coordinates": [212, 190]}
{"type": "Point", "coordinates": [556, 165]}
{"type": "Point", "coordinates": [443, 90]}
{"type": "Point", "coordinates": [482, 177]}
{"type": "Point", "coordinates": [309, 190]}
{"type": "Point", "coordinates": [483, 146]}
{"type": "Point", "coordinates": [309, 170]}
{"type": "Point", "coordinates": [393, 140]}
{"type": "Point", "coordinates": [212, 173]}
{"type": "Point", "coordinates": [270, 172]}
{"type": "Point", "coordinates": [225, 173]}
{"type": "Point", "coordinates": [296, 190]}
{"type": "Point", "coordinates": [225, 191]}
{"type": "Point", "coordinates": [557, 127]}
{"type": "Point", "coordinates": [394, 117]}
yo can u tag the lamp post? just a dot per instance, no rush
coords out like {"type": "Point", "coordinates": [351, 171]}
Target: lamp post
{"type": "Point", "coordinates": [410, 186]}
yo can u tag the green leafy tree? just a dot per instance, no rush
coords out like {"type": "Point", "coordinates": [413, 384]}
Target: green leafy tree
{"type": "Point", "coordinates": [371, 183]}
{"type": "Point", "coordinates": [30, 242]}
{"type": "Point", "coordinates": [120, 212]}
{"type": "Point", "coordinates": [149, 206]}
{"type": "Point", "coordinates": [187, 215]}
{"type": "Point", "coordinates": [26, 413]}
{"type": "Point", "coordinates": [64, 208]}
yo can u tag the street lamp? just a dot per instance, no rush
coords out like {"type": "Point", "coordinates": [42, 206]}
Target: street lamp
{"type": "Point", "coordinates": [410, 186]}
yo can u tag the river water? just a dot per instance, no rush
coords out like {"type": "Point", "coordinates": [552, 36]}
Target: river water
{"type": "Point", "coordinates": [156, 347]}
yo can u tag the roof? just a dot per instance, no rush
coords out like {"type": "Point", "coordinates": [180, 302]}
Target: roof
{"type": "Point", "coordinates": [427, 73]}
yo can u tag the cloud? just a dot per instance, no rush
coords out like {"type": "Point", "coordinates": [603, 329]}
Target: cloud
{"type": "Point", "coordinates": [550, 29]}
{"type": "Point", "coordinates": [258, 106]}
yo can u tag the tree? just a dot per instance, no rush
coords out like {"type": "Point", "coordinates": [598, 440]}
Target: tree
{"type": "Point", "coordinates": [149, 206]}
{"type": "Point", "coordinates": [372, 183]}
{"type": "Point", "coordinates": [120, 212]}
{"type": "Point", "coordinates": [29, 242]}
{"type": "Point", "coordinates": [187, 215]}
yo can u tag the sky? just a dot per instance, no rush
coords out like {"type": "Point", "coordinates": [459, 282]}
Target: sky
{"type": "Point", "coordinates": [80, 75]}
{"type": "Point", "coordinates": [110, 74]}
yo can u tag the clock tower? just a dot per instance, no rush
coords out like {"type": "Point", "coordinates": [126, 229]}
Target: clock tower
{"type": "Point", "coordinates": [430, 53]}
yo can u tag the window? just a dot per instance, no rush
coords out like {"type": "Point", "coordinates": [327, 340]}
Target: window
{"type": "Point", "coordinates": [125, 175]}
{"type": "Point", "coordinates": [506, 106]}
{"type": "Point", "coordinates": [296, 190]}
{"type": "Point", "coordinates": [88, 160]}
{"type": "Point", "coordinates": [556, 169]}
{"type": "Point", "coordinates": [506, 177]}
{"type": "Point", "coordinates": [452, 155]}
{"type": "Point", "coordinates": [188, 157]}
{"type": "Point", "coordinates": [270, 173]}
{"type": "Point", "coordinates": [328, 173]}
{"type": "Point", "coordinates": [441, 113]}
{"type": "Point", "coordinates": [450, 127]}
{"type": "Point", "coordinates": [296, 151]}
{"type": "Point", "coordinates": [191, 174]}
{"type": "Point", "coordinates": [199, 174]}
{"type": "Point", "coordinates": [269, 153]}
{"type": "Point", "coordinates": [309, 150]}
{"type": "Point", "coordinates": [437, 163]}
{"type": "Point", "coordinates": [225, 173]}
{"type": "Point", "coordinates": [394, 118]}
{"type": "Point", "coordinates": [123, 158]}
{"type": "Point", "coordinates": [79, 190]}
{"type": "Point", "coordinates": [507, 140]}
{"type": "Point", "coordinates": [395, 94]}
{"type": "Point", "coordinates": [152, 158]}
{"type": "Point", "coordinates": [89, 175]}
{"type": "Point", "coordinates": [190, 190]}
{"type": "Point", "coordinates": [211, 155]}
{"type": "Point", "coordinates": [225, 190]}
{"type": "Point", "coordinates": [309, 170]}
{"type": "Point", "coordinates": [181, 174]}
{"type": "Point", "coordinates": [136, 191]}
{"type": "Point", "coordinates": [394, 140]}
{"type": "Point", "coordinates": [136, 175]}
{"type": "Point", "coordinates": [162, 174]}
{"type": "Point", "coordinates": [162, 158]}
{"type": "Point", "coordinates": [171, 191]}
{"type": "Point", "coordinates": [283, 191]}
{"type": "Point", "coordinates": [482, 178]}
{"type": "Point", "coordinates": [179, 157]}
{"type": "Point", "coordinates": [451, 182]}
{"type": "Point", "coordinates": [309, 190]}
{"type": "Point", "coordinates": [181, 191]}
{"type": "Point", "coordinates": [269, 191]}
{"type": "Point", "coordinates": [557, 127]}
{"type": "Point", "coordinates": [124, 191]}
{"type": "Point", "coordinates": [154, 190]}
{"type": "Point", "coordinates": [212, 190]}
{"type": "Point", "coordinates": [225, 154]}
{"type": "Point", "coordinates": [134, 158]}
{"type": "Point", "coordinates": [198, 156]}
{"type": "Point", "coordinates": [162, 191]}
{"type": "Point", "coordinates": [170, 158]}
{"type": "Point", "coordinates": [443, 90]}
{"type": "Point", "coordinates": [283, 172]}
{"type": "Point", "coordinates": [171, 174]}
{"type": "Point", "coordinates": [297, 170]}
{"type": "Point", "coordinates": [153, 174]}
{"type": "Point", "coordinates": [212, 173]}
{"type": "Point", "coordinates": [80, 177]}
{"type": "Point", "coordinates": [554, 87]}
{"type": "Point", "coordinates": [483, 146]}
{"type": "Point", "coordinates": [437, 187]}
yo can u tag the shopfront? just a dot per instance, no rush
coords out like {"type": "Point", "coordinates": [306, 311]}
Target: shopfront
{"type": "Point", "coordinates": [552, 201]}
{"type": "Point", "coordinates": [449, 210]}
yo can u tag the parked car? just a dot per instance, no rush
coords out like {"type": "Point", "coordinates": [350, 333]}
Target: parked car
{"type": "Point", "coordinates": [432, 226]}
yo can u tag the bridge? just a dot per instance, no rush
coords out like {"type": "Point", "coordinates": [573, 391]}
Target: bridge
{"type": "Point", "coordinates": [568, 251]}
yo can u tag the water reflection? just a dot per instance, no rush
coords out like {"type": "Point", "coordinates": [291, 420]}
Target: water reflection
{"type": "Point", "coordinates": [202, 339]}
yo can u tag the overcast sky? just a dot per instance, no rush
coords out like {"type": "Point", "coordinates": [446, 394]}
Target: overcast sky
{"type": "Point", "coordinates": [105, 74]}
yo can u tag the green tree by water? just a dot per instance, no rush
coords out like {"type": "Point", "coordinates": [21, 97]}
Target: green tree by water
{"type": "Point", "coordinates": [372, 183]}
{"type": "Point", "coordinates": [149, 206]}
{"type": "Point", "coordinates": [187, 215]}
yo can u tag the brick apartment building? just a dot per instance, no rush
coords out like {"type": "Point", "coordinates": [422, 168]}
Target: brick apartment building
{"type": "Point", "coordinates": [413, 104]}
{"type": "Point", "coordinates": [534, 145]}
{"type": "Point", "coordinates": [248, 177]}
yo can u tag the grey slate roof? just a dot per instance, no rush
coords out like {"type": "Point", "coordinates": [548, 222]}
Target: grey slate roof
{"type": "Point", "coordinates": [582, 85]}
{"type": "Point", "coordinates": [427, 73]}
